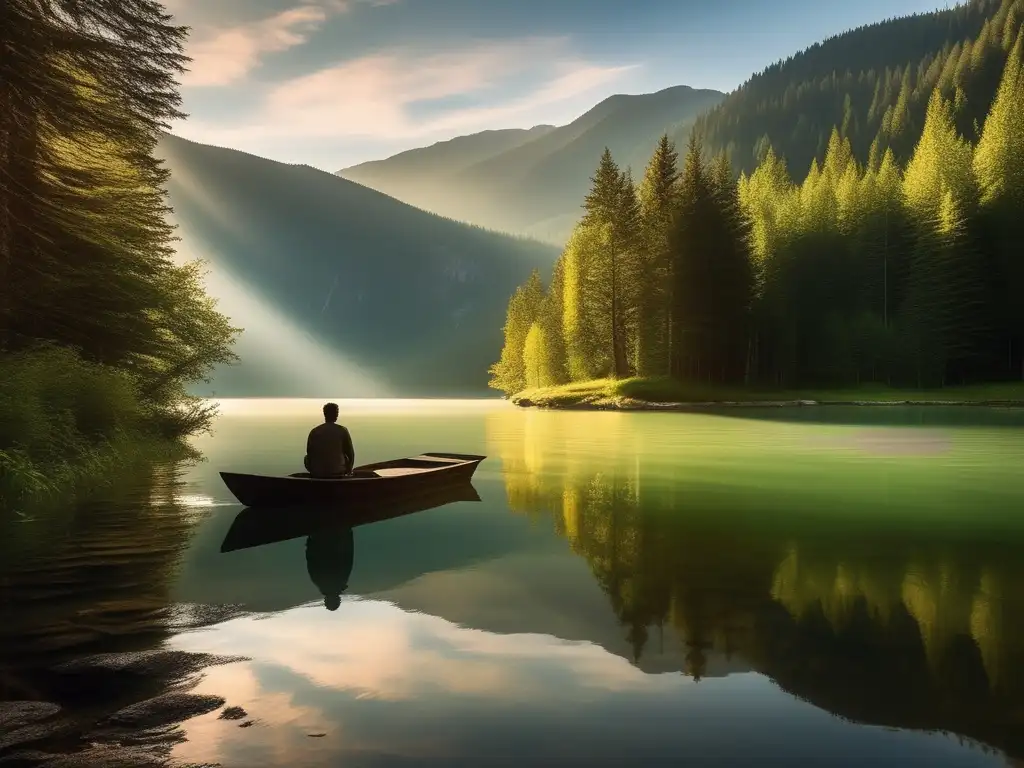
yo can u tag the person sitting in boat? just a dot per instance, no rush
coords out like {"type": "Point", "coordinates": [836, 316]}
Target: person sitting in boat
{"type": "Point", "coordinates": [329, 451]}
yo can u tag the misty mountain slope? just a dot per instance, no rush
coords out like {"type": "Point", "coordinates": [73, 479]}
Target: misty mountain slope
{"type": "Point", "coordinates": [537, 185]}
{"type": "Point", "coordinates": [556, 184]}
{"type": "Point", "coordinates": [412, 175]}
{"type": "Point", "coordinates": [328, 274]}
{"type": "Point", "coordinates": [629, 125]}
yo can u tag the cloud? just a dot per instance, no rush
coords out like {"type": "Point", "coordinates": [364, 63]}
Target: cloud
{"type": "Point", "coordinates": [393, 655]}
{"type": "Point", "coordinates": [398, 95]}
{"type": "Point", "coordinates": [230, 54]}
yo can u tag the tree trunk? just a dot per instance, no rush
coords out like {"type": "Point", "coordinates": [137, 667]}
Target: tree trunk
{"type": "Point", "coordinates": [618, 342]}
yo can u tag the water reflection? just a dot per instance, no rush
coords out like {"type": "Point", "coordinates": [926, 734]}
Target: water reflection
{"type": "Point", "coordinates": [624, 588]}
{"type": "Point", "coordinates": [908, 624]}
{"type": "Point", "coordinates": [329, 558]}
{"type": "Point", "coordinates": [92, 575]}
{"type": "Point", "coordinates": [84, 610]}
{"type": "Point", "coordinates": [330, 544]}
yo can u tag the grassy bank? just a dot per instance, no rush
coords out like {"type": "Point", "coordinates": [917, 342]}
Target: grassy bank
{"type": "Point", "coordinates": [67, 423]}
{"type": "Point", "coordinates": [660, 393]}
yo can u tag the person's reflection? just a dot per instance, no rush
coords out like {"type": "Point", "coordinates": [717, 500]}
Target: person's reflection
{"type": "Point", "coordinates": [329, 557]}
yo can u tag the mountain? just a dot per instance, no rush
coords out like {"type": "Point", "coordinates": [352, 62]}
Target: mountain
{"type": "Point", "coordinates": [341, 290]}
{"type": "Point", "coordinates": [537, 185]}
{"type": "Point", "coordinates": [412, 175]}
{"type": "Point", "coordinates": [873, 82]}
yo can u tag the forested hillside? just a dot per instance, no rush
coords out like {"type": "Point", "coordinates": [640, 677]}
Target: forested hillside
{"type": "Point", "coordinates": [899, 272]}
{"type": "Point", "coordinates": [873, 84]}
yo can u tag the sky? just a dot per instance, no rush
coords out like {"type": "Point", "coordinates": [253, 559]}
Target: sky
{"type": "Point", "coordinates": [332, 83]}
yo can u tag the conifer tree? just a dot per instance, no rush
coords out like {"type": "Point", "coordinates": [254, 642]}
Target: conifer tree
{"type": "Point", "coordinates": [692, 247]}
{"type": "Point", "coordinates": [734, 273]}
{"type": "Point", "coordinates": [999, 170]}
{"type": "Point", "coordinates": [602, 201]}
{"type": "Point", "coordinates": [86, 250]}
{"type": "Point", "coordinates": [583, 325]}
{"type": "Point", "coordinates": [612, 216]}
{"type": "Point", "coordinates": [627, 226]}
{"type": "Point", "coordinates": [944, 318]}
{"type": "Point", "coordinates": [536, 372]}
{"type": "Point", "coordinates": [544, 349]}
{"type": "Point", "coordinates": [945, 302]}
{"type": "Point", "coordinates": [509, 373]}
{"type": "Point", "coordinates": [657, 202]}
{"type": "Point", "coordinates": [88, 86]}
{"type": "Point", "coordinates": [942, 162]}
{"type": "Point", "coordinates": [882, 240]}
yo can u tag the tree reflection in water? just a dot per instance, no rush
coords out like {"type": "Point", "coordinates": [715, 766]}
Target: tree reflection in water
{"type": "Point", "coordinates": [898, 625]}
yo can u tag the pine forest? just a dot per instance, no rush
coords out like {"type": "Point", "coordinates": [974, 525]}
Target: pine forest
{"type": "Point", "coordinates": [896, 260]}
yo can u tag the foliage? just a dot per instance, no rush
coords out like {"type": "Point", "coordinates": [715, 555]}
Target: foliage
{"type": "Point", "coordinates": [64, 418]}
{"type": "Point", "coordinates": [711, 275]}
{"type": "Point", "coordinates": [904, 270]}
{"type": "Point", "coordinates": [87, 267]}
{"type": "Point", "coordinates": [509, 373]}
{"type": "Point", "coordinates": [657, 197]}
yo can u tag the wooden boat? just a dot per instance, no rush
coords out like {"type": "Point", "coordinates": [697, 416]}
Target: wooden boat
{"type": "Point", "coordinates": [370, 482]}
{"type": "Point", "coordinates": [257, 526]}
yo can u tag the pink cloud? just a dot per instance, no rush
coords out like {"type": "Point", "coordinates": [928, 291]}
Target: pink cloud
{"type": "Point", "coordinates": [374, 96]}
{"type": "Point", "coordinates": [227, 55]}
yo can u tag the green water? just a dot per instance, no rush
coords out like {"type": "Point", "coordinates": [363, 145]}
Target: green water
{"type": "Point", "coordinates": [814, 587]}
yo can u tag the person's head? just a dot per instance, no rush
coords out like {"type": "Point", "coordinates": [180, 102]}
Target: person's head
{"type": "Point", "coordinates": [331, 602]}
{"type": "Point", "coordinates": [331, 412]}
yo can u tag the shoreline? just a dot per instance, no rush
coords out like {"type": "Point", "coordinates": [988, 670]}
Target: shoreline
{"type": "Point", "coordinates": [632, 404]}
{"type": "Point", "coordinates": [27, 484]}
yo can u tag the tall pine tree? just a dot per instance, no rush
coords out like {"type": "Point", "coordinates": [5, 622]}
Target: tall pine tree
{"type": "Point", "coordinates": [945, 307]}
{"type": "Point", "coordinates": [657, 200]}
{"type": "Point", "coordinates": [999, 169]}
{"type": "Point", "coordinates": [86, 250]}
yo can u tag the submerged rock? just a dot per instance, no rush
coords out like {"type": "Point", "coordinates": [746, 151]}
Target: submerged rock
{"type": "Point", "coordinates": [165, 709]}
{"type": "Point", "coordinates": [233, 713]}
{"type": "Point", "coordinates": [27, 722]}
{"type": "Point", "coordinates": [159, 664]}
{"type": "Point", "coordinates": [95, 757]}
{"type": "Point", "coordinates": [33, 734]}
{"type": "Point", "coordinates": [16, 714]}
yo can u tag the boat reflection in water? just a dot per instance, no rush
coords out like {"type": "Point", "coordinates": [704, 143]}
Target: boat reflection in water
{"type": "Point", "coordinates": [330, 545]}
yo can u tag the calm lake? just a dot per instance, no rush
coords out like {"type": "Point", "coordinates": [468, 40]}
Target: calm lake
{"type": "Point", "coordinates": [840, 587]}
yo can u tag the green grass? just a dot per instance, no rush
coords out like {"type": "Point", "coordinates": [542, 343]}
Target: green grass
{"type": "Point", "coordinates": [66, 423]}
{"type": "Point", "coordinates": [612, 393]}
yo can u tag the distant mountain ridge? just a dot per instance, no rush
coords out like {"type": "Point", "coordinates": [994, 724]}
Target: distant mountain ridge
{"type": "Point", "coordinates": [873, 82]}
{"type": "Point", "coordinates": [534, 186]}
{"type": "Point", "coordinates": [342, 290]}
{"type": "Point", "coordinates": [452, 155]}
